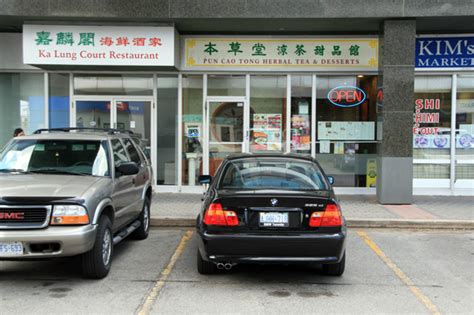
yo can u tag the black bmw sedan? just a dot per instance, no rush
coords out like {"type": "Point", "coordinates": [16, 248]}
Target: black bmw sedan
{"type": "Point", "coordinates": [270, 208]}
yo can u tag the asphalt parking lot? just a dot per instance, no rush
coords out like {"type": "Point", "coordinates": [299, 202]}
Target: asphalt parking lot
{"type": "Point", "coordinates": [387, 271]}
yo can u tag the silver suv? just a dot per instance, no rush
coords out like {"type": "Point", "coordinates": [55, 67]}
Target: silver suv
{"type": "Point", "coordinates": [73, 191]}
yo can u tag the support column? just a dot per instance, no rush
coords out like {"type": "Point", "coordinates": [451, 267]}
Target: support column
{"type": "Point", "coordinates": [396, 76]}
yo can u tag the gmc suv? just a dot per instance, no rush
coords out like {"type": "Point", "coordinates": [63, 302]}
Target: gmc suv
{"type": "Point", "coordinates": [73, 191]}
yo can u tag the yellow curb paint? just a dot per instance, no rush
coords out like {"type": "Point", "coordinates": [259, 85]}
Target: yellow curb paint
{"type": "Point", "coordinates": [400, 274]}
{"type": "Point", "coordinates": [145, 307]}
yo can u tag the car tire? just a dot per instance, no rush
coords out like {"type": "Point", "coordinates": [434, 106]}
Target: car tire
{"type": "Point", "coordinates": [335, 269]}
{"type": "Point", "coordinates": [142, 231]}
{"type": "Point", "coordinates": [205, 267]}
{"type": "Point", "coordinates": [96, 263]}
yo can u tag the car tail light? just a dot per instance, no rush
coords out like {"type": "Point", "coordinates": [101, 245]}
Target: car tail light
{"type": "Point", "coordinates": [216, 215]}
{"type": "Point", "coordinates": [329, 218]}
{"type": "Point", "coordinates": [315, 219]}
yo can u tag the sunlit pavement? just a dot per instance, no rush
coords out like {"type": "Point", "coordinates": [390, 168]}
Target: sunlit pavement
{"type": "Point", "coordinates": [159, 276]}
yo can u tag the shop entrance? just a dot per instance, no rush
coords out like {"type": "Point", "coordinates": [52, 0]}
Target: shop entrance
{"type": "Point", "coordinates": [226, 131]}
{"type": "Point", "coordinates": [124, 113]}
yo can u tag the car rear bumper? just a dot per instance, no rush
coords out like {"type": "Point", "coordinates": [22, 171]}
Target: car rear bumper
{"type": "Point", "coordinates": [52, 241]}
{"type": "Point", "coordinates": [318, 248]}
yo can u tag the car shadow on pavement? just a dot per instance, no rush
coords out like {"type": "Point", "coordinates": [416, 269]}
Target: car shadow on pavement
{"type": "Point", "coordinates": [59, 269]}
{"type": "Point", "coordinates": [278, 273]}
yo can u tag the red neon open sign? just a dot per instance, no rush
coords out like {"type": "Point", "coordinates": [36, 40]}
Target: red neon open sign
{"type": "Point", "coordinates": [346, 96]}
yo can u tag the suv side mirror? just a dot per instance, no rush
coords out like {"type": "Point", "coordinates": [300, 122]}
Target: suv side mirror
{"type": "Point", "coordinates": [204, 179]}
{"type": "Point", "coordinates": [331, 180]}
{"type": "Point", "coordinates": [127, 168]}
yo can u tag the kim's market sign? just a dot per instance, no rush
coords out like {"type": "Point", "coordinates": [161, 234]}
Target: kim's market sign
{"type": "Point", "coordinates": [445, 52]}
{"type": "Point", "coordinates": [237, 53]}
{"type": "Point", "coordinates": [99, 45]}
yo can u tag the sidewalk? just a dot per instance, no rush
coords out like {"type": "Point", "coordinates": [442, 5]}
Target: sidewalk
{"type": "Point", "coordinates": [359, 210]}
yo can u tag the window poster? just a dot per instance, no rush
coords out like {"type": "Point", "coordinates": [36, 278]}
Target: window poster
{"type": "Point", "coordinates": [300, 132]}
{"type": "Point", "coordinates": [325, 146]}
{"type": "Point", "coordinates": [266, 133]}
{"type": "Point", "coordinates": [339, 148]}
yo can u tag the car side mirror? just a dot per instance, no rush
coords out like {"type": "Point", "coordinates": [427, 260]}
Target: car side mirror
{"type": "Point", "coordinates": [205, 179]}
{"type": "Point", "coordinates": [331, 180]}
{"type": "Point", "coordinates": [127, 168]}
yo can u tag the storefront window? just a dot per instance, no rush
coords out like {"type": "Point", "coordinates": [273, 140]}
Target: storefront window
{"type": "Point", "coordinates": [166, 172]}
{"type": "Point", "coordinates": [21, 103]}
{"type": "Point", "coordinates": [267, 113]}
{"type": "Point", "coordinates": [113, 84]}
{"type": "Point", "coordinates": [59, 100]}
{"type": "Point", "coordinates": [432, 127]}
{"type": "Point", "coordinates": [301, 91]}
{"type": "Point", "coordinates": [346, 129]}
{"type": "Point", "coordinates": [465, 127]}
{"type": "Point", "coordinates": [225, 85]}
{"type": "Point", "coordinates": [192, 128]}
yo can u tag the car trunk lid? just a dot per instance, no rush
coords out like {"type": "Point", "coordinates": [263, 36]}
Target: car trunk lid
{"type": "Point", "coordinates": [265, 211]}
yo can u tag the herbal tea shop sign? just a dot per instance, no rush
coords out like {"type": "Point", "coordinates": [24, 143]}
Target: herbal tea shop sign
{"type": "Point", "coordinates": [98, 45]}
{"type": "Point", "coordinates": [224, 53]}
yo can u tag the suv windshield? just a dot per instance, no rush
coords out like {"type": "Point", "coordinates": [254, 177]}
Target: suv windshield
{"type": "Point", "coordinates": [272, 173]}
{"type": "Point", "coordinates": [70, 157]}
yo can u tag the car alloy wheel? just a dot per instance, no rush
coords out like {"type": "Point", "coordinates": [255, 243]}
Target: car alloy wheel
{"type": "Point", "coordinates": [146, 217]}
{"type": "Point", "coordinates": [106, 247]}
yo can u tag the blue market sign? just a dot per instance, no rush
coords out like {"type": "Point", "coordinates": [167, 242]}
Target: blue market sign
{"type": "Point", "coordinates": [445, 52]}
{"type": "Point", "coordinates": [346, 96]}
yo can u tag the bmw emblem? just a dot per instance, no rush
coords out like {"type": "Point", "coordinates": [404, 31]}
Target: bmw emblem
{"type": "Point", "coordinates": [274, 201]}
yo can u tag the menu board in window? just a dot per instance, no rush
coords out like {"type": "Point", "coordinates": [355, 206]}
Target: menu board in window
{"type": "Point", "coordinates": [346, 130]}
{"type": "Point", "coordinates": [266, 132]}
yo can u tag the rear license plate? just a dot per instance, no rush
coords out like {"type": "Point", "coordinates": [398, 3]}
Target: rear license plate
{"type": "Point", "coordinates": [273, 219]}
{"type": "Point", "coordinates": [10, 249]}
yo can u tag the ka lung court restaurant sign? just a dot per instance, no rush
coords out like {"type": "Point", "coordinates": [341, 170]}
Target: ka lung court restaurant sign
{"type": "Point", "coordinates": [445, 52]}
{"type": "Point", "coordinates": [98, 45]}
{"type": "Point", "coordinates": [278, 53]}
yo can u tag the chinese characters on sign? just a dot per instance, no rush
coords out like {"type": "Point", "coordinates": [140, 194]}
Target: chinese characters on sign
{"type": "Point", "coordinates": [98, 45]}
{"type": "Point", "coordinates": [253, 52]}
{"type": "Point", "coordinates": [88, 39]}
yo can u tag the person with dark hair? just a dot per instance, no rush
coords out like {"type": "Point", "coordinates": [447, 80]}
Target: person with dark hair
{"type": "Point", "coordinates": [18, 132]}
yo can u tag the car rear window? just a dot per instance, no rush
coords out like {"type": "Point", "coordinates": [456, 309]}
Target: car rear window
{"type": "Point", "coordinates": [272, 173]}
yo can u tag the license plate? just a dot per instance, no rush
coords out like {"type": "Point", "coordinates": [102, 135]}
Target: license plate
{"type": "Point", "coordinates": [10, 249]}
{"type": "Point", "coordinates": [274, 219]}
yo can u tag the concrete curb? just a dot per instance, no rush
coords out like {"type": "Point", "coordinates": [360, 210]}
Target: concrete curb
{"type": "Point", "coordinates": [411, 224]}
{"type": "Point", "coordinates": [351, 223]}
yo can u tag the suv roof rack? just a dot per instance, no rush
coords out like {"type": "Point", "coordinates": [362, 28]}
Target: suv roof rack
{"type": "Point", "coordinates": [109, 131]}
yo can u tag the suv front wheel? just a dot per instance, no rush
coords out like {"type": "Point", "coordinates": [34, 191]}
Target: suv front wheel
{"type": "Point", "coordinates": [97, 262]}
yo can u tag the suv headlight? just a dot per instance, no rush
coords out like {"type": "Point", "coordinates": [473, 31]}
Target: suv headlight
{"type": "Point", "coordinates": [69, 215]}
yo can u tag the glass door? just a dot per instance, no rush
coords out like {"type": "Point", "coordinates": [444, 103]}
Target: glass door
{"type": "Point", "coordinates": [134, 115]}
{"type": "Point", "coordinates": [127, 113]}
{"type": "Point", "coordinates": [92, 114]}
{"type": "Point", "coordinates": [464, 132]}
{"type": "Point", "coordinates": [225, 132]}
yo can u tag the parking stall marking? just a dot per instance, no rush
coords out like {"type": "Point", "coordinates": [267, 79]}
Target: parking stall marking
{"type": "Point", "coordinates": [152, 295]}
{"type": "Point", "coordinates": [400, 274]}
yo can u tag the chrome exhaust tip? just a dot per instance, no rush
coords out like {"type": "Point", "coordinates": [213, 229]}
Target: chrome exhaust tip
{"type": "Point", "coordinates": [220, 266]}
{"type": "Point", "coordinates": [228, 266]}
